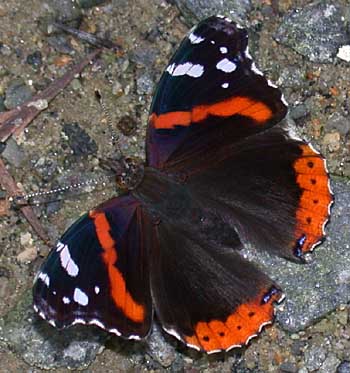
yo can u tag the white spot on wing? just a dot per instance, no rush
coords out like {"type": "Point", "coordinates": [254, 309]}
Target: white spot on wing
{"type": "Point", "coordinates": [135, 337]}
{"type": "Point", "coordinates": [223, 50]}
{"type": "Point", "coordinates": [78, 321]}
{"type": "Point", "coordinates": [44, 278]}
{"type": "Point", "coordinates": [224, 85]}
{"type": "Point", "coordinates": [195, 39]}
{"type": "Point", "coordinates": [214, 351]}
{"type": "Point", "coordinates": [97, 323]}
{"type": "Point", "coordinates": [97, 289]}
{"type": "Point", "coordinates": [170, 68]}
{"type": "Point", "coordinates": [271, 84]}
{"type": "Point", "coordinates": [247, 53]}
{"type": "Point", "coordinates": [226, 66]}
{"type": "Point", "coordinates": [65, 300]}
{"type": "Point", "coordinates": [59, 246]}
{"type": "Point", "coordinates": [68, 263]}
{"type": "Point", "coordinates": [284, 100]}
{"type": "Point", "coordinates": [256, 70]}
{"type": "Point", "coordinates": [52, 323]}
{"type": "Point", "coordinates": [187, 68]}
{"type": "Point", "coordinates": [80, 297]}
{"type": "Point", "coordinates": [115, 331]}
{"type": "Point", "coordinates": [174, 333]}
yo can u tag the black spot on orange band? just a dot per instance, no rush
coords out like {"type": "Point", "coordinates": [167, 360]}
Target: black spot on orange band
{"type": "Point", "coordinates": [316, 197]}
{"type": "Point", "coordinates": [246, 321]}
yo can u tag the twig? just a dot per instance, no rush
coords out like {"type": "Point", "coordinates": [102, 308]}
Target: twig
{"type": "Point", "coordinates": [16, 120]}
{"type": "Point", "coordinates": [8, 183]}
{"type": "Point", "coordinates": [88, 37]}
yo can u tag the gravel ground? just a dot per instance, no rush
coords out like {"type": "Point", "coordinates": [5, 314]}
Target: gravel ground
{"type": "Point", "coordinates": [301, 45]}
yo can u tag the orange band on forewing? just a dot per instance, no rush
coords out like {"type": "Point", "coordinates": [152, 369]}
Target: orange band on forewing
{"type": "Point", "coordinates": [312, 212]}
{"type": "Point", "coordinates": [122, 298]}
{"type": "Point", "coordinates": [245, 106]}
{"type": "Point", "coordinates": [168, 120]}
{"type": "Point", "coordinates": [246, 321]}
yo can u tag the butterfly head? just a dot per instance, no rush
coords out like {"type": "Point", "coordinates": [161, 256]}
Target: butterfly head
{"type": "Point", "coordinates": [128, 171]}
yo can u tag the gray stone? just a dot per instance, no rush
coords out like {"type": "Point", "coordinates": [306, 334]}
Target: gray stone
{"type": "Point", "coordinates": [314, 357]}
{"type": "Point", "coordinates": [339, 123]}
{"type": "Point", "coordinates": [79, 140]}
{"type": "Point", "coordinates": [13, 153]}
{"type": "Point", "coordinates": [5, 50]}
{"type": "Point", "coordinates": [145, 84]}
{"type": "Point", "coordinates": [343, 367]}
{"type": "Point", "coordinates": [291, 77]}
{"type": "Point", "coordinates": [44, 347]}
{"type": "Point", "coordinates": [60, 43]}
{"type": "Point", "coordinates": [159, 349]}
{"type": "Point", "coordinates": [288, 367]}
{"type": "Point", "coordinates": [299, 111]}
{"type": "Point", "coordinates": [86, 4]}
{"type": "Point", "coordinates": [195, 10]}
{"type": "Point", "coordinates": [315, 31]}
{"type": "Point", "coordinates": [144, 55]}
{"type": "Point", "coordinates": [330, 364]}
{"type": "Point", "coordinates": [2, 103]}
{"type": "Point", "coordinates": [17, 93]}
{"type": "Point", "coordinates": [35, 59]}
{"type": "Point", "coordinates": [65, 11]}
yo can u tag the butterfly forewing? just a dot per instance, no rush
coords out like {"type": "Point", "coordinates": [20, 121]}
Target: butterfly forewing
{"type": "Point", "coordinates": [210, 94]}
{"type": "Point", "coordinates": [98, 273]}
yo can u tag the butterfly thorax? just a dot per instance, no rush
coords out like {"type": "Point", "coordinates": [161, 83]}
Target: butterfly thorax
{"type": "Point", "coordinates": [129, 172]}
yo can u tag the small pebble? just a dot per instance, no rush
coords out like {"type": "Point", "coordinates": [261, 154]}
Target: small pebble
{"type": "Point", "coordinates": [27, 255]}
{"type": "Point", "coordinates": [339, 123]}
{"type": "Point", "coordinates": [17, 93]}
{"type": "Point", "coordinates": [288, 367]}
{"type": "Point", "coordinates": [332, 141]}
{"type": "Point", "coordinates": [145, 84]}
{"type": "Point", "coordinates": [344, 367]}
{"type": "Point", "coordinates": [26, 239]}
{"type": "Point", "coordinates": [86, 4]}
{"type": "Point", "coordinates": [344, 53]}
{"type": "Point", "coordinates": [35, 59]}
{"type": "Point", "coordinates": [314, 357]}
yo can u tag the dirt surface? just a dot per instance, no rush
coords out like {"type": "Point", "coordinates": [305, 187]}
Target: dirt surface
{"type": "Point", "coordinates": [53, 151]}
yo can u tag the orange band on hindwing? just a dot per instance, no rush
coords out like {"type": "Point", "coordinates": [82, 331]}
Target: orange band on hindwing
{"type": "Point", "coordinates": [121, 297]}
{"type": "Point", "coordinates": [245, 106]}
{"type": "Point", "coordinates": [315, 199]}
{"type": "Point", "coordinates": [246, 321]}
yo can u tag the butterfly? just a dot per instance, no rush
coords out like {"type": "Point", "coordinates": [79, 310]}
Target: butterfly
{"type": "Point", "coordinates": [220, 173]}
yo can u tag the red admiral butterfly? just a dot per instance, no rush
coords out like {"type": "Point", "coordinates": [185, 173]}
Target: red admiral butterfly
{"type": "Point", "coordinates": [219, 174]}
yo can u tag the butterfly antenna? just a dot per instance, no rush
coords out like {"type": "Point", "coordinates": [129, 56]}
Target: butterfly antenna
{"type": "Point", "coordinates": [24, 199]}
{"type": "Point", "coordinates": [114, 135]}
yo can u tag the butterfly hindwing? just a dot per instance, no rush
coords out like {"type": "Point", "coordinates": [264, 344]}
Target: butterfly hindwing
{"type": "Point", "coordinates": [207, 296]}
{"type": "Point", "coordinates": [274, 190]}
{"type": "Point", "coordinates": [99, 273]}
